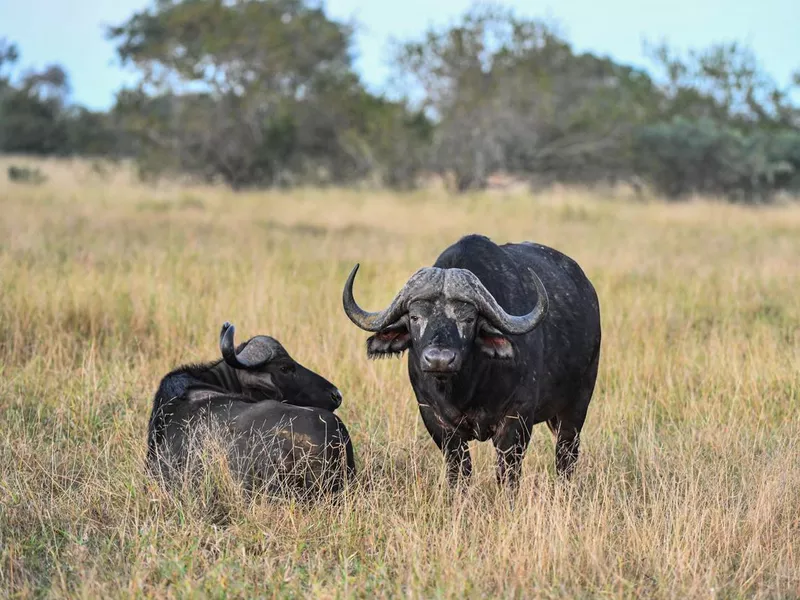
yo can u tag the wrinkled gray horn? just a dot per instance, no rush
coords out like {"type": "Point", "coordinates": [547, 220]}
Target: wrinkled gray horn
{"type": "Point", "coordinates": [459, 284]}
{"type": "Point", "coordinates": [511, 324]}
{"type": "Point", "coordinates": [256, 353]}
{"type": "Point", "coordinates": [464, 285]}
{"type": "Point", "coordinates": [420, 285]}
{"type": "Point", "coordinates": [368, 321]}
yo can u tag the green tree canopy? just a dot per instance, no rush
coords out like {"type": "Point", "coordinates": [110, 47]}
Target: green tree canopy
{"type": "Point", "coordinates": [510, 93]}
{"type": "Point", "coordinates": [256, 92]}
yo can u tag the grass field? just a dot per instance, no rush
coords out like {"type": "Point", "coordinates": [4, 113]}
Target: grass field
{"type": "Point", "coordinates": [688, 485]}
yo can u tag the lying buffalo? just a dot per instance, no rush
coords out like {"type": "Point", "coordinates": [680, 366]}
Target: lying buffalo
{"type": "Point", "coordinates": [275, 415]}
{"type": "Point", "coordinates": [478, 370]}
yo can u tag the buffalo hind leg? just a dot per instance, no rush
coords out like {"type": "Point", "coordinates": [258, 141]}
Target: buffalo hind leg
{"type": "Point", "coordinates": [455, 450]}
{"type": "Point", "coordinates": [511, 442]}
{"type": "Point", "coordinates": [568, 442]}
{"type": "Point", "coordinates": [566, 426]}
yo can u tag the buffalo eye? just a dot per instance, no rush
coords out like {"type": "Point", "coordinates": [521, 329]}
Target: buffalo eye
{"type": "Point", "coordinates": [287, 369]}
{"type": "Point", "coordinates": [414, 318]}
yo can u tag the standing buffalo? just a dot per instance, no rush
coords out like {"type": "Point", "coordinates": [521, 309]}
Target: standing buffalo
{"type": "Point", "coordinates": [276, 415]}
{"type": "Point", "coordinates": [477, 370]}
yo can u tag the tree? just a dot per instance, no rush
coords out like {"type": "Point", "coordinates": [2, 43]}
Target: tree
{"type": "Point", "coordinates": [31, 113]}
{"type": "Point", "coordinates": [37, 118]}
{"type": "Point", "coordinates": [724, 82]}
{"type": "Point", "coordinates": [509, 93]}
{"type": "Point", "coordinates": [257, 92]}
{"type": "Point", "coordinates": [9, 55]}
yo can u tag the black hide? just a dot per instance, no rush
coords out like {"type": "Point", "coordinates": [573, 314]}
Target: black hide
{"type": "Point", "coordinates": [472, 381]}
{"type": "Point", "coordinates": [276, 419]}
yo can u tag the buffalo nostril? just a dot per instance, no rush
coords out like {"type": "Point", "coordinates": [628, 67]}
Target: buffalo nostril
{"type": "Point", "coordinates": [336, 396]}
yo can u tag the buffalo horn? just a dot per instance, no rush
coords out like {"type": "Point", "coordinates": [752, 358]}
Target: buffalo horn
{"type": "Point", "coordinates": [472, 290]}
{"type": "Point", "coordinates": [258, 351]}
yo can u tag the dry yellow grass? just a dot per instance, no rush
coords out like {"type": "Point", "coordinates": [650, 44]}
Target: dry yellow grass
{"type": "Point", "coordinates": [689, 481]}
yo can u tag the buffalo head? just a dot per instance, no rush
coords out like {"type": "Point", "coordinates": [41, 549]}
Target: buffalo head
{"type": "Point", "coordinates": [443, 314]}
{"type": "Point", "coordinates": [265, 370]}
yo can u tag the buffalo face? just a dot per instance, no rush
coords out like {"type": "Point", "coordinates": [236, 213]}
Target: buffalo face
{"type": "Point", "coordinates": [266, 371]}
{"type": "Point", "coordinates": [444, 314]}
{"type": "Point", "coordinates": [442, 331]}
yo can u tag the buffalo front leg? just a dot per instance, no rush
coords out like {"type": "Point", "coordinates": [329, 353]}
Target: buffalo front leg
{"type": "Point", "coordinates": [454, 448]}
{"type": "Point", "coordinates": [511, 442]}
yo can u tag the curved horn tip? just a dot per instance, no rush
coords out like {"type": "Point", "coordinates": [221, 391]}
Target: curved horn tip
{"type": "Point", "coordinates": [354, 312]}
{"type": "Point", "coordinates": [542, 291]}
{"type": "Point", "coordinates": [515, 324]}
{"type": "Point", "coordinates": [228, 349]}
{"type": "Point", "coordinates": [351, 278]}
{"type": "Point", "coordinates": [226, 337]}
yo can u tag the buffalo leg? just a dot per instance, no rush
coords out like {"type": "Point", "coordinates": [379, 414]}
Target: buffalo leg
{"type": "Point", "coordinates": [568, 442]}
{"type": "Point", "coordinates": [511, 442]}
{"type": "Point", "coordinates": [566, 426]}
{"type": "Point", "coordinates": [455, 450]}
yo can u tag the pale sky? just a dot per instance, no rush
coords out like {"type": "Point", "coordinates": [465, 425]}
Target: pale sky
{"type": "Point", "coordinates": [71, 32]}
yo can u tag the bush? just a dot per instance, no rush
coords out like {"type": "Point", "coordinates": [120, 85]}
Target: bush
{"type": "Point", "coordinates": [25, 175]}
{"type": "Point", "coordinates": [701, 156]}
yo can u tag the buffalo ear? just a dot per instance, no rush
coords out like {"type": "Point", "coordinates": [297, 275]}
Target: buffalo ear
{"type": "Point", "coordinates": [391, 341]}
{"type": "Point", "coordinates": [493, 343]}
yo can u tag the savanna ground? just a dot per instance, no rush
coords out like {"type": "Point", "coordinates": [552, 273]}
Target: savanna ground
{"type": "Point", "coordinates": [689, 481]}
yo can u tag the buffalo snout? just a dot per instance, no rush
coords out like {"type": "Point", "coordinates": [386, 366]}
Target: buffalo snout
{"type": "Point", "coordinates": [440, 360]}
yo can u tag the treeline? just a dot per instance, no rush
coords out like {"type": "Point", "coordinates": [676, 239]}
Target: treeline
{"type": "Point", "coordinates": [264, 93]}
{"type": "Point", "coordinates": [36, 117]}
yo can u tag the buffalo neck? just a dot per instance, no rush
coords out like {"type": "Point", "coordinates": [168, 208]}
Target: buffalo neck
{"type": "Point", "coordinates": [224, 376]}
